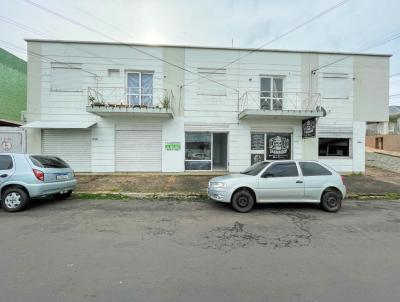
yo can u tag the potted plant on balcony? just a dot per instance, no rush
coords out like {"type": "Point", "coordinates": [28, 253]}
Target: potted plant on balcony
{"type": "Point", "coordinates": [166, 103]}
{"type": "Point", "coordinates": [93, 102]}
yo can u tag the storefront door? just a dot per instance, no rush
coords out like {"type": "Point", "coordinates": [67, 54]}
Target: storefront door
{"type": "Point", "coordinates": [206, 151]}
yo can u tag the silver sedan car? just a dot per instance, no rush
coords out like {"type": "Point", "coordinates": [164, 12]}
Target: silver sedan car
{"type": "Point", "coordinates": [280, 181]}
{"type": "Point", "coordinates": [24, 176]}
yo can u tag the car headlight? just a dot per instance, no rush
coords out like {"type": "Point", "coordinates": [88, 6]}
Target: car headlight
{"type": "Point", "coordinates": [218, 185]}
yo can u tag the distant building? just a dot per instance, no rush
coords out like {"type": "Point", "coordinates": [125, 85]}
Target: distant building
{"type": "Point", "coordinates": [110, 107]}
{"type": "Point", "coordinates": [12, 88]}
{"type": "Point", "coordinates": [385, 135]}
{"type": "Point", "coordinates": [392, 126]}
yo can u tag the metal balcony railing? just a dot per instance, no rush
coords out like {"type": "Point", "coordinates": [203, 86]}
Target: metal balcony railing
{"type": "Point", "coordinates": [131, 97]}
{"type": "Point", "coordinates": [280, 101]}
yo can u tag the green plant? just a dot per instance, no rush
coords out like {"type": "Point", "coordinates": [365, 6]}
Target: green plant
{"type": "Point", "coordinates": [165, 103]}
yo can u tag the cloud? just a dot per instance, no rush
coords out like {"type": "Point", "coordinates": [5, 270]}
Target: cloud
{"type": "Point", "coordinates": [250, 23]}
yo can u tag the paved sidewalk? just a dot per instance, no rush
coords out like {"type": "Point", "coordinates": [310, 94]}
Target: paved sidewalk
{"type": "Point", "coordinates": [383, 161]}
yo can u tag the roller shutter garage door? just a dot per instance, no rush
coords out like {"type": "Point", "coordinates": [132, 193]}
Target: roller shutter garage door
{"type": "Point", "coordinates": [73, 146]}
{"type": "Point", "coordinates": [138, 150]}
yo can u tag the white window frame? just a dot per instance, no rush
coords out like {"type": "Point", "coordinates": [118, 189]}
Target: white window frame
{"type": "Point", "coordinates": [205, 74]}
{"type": "Point", "coordinates": [271, 92]}
{"type": "Point", "coordinates": [336, 76]}
{"type": "Point", "coordinates": [64, 66]}
{"type": "Point", "coordinates": [140, 94]}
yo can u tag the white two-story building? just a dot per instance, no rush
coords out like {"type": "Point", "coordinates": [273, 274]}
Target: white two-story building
{"type": "Point", "coordinates": [109, 107]}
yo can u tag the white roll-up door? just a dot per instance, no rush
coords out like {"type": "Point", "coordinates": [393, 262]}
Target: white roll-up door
{"type": "Point", "coordinates": [138, 150]}
{"type": "Point", "coordinates": [73, 146]}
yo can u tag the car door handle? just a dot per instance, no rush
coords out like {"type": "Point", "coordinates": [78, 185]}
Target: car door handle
{"type": "Point", "coordinates": [299, 181]}
{"type": "Point", "coordinates": [3, 175]}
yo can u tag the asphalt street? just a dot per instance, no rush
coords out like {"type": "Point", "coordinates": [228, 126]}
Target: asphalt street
{"type": "Point", "coordinates": [103, 250]}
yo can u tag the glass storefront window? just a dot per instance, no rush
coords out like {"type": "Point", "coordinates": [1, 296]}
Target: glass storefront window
{"type": "Point", "coordinates": [198, 146]}
{"type": "Point", "coordinates": [198, 151]}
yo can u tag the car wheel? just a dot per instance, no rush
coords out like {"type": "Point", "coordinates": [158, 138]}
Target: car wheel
{"type": "Point", "coordinates": [243, 201]}
{"type": "Point", "coordinates": [63, 196]}
{"type": "Point", "coordinates": [14, 200]}
{"type": "Point", "coordinates": [331, 201]}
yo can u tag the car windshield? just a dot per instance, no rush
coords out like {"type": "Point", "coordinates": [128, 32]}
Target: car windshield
{"type": "Point", "coordinates": [256, 168]}
{"type": "Point", "coordinates": [48, 162]}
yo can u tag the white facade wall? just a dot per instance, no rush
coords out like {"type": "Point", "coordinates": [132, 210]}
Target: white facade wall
{"type": "Point", "coordinates": [197, 112]}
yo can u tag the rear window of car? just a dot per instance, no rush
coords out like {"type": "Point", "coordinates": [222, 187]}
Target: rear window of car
{"type": "Point", "coordinates": [48, 162]}
{"type": "Point", "coordinates": [6, 162]}
{"type": "Point", "coordinates": [313, 169]}
{"type": "Point", "coordinates": [282, 170]}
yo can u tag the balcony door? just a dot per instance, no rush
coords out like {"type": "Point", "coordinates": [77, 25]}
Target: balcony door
{"type": "Point", "coordinates": [139, 89]}
{"type": "Point", "coordinates": [271, 93]}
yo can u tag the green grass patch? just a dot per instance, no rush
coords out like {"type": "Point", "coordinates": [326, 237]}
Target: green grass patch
{"type": "Point", "coordinates": [112, 196]}
{"type": "Point", "coordinates": [363, 196]}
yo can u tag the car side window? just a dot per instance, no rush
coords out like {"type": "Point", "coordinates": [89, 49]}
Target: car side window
{"type": "Point", "coordinates": [282, 170]}
{"type": "Point", "coordinates": [313, 169]}
{"type": "Point", "coordinates": [6, 162]}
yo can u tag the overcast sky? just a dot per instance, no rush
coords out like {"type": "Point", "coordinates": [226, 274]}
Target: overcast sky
{"type": "Point", "coordinates": [354, 26]}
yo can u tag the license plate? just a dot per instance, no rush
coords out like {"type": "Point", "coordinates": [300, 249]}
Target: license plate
{"type": "Point", "coordinates": [62, 176]}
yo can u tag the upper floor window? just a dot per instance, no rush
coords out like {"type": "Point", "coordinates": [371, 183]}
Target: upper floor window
{"type": "Point", "coordinates": [140, 88]}
{"type": "Point", "coordinates": [66, 77]}
{"type": "Point", "coordinates": [210, 80]}
{"type": "Point", "coordinates": [335, 86]}
{"type": "Point", "coordinates": [271, 93]}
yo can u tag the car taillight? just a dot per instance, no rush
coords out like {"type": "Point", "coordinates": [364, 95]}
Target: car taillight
{"type": "Point", "coordinates": [39, 174]}
{"type": "Point", "coordinates": [342, 177]}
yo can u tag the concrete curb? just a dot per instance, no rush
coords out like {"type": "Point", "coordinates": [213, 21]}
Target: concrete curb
{"type": "Point", "coordinates": [203, 195]}
{"type": "Point", "coordinates": [154, 195]}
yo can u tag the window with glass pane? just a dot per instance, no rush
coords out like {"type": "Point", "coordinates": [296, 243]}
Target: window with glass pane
{"type": "Point", "coordinates": [313, 169]}
{"type": "Point", "coordinates": [197, 151]}
{"type": "Point", "coordinates": [140, 88]}
{"type": "Point", "coordinates": [271, 94]}
{"type": "Point", "coordinates": [265, 93]}
{"type": "Point", "coordinates": [334, 147]}
{"type": "Point", "coordinates": [282, 170]}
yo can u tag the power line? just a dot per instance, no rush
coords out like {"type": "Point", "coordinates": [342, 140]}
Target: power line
{"type": "Point", "coordinates": [337, 5]}
{"type": "Point", "coordinates": [122, 43]}
{"type": "Point", "coordinates": [384, 41]}
{"type": "Point", "coordinates": [48, 58]}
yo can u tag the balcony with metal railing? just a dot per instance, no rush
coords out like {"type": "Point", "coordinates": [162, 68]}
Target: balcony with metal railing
{"type": "Point", "coordinates": [291, 105]}
{"type": "Point", "coordinates": [110, 101]}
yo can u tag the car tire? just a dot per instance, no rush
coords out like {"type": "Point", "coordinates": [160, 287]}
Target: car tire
{"type": "Point", "coordinates": [14, 199]}
{"type": "Point", "coordinates": [331, 201]}
{"type": "Point", "coordinates": [243, 201]}
{"type": "Point", "coordinates": [63, 196]}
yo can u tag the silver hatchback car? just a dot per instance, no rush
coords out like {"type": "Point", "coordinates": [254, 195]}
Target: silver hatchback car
{"type": "Point", "coordinates": [24, 176]}
{"type": "Point", "coordinates": [280, 181]}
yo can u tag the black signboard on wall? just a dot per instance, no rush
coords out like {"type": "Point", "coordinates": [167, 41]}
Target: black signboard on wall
{"type": "Point", "coordinates": [279, 146]}
{"type": "Point", "coordinates": [309, 127]}
{"type": "Point", "coordinates": [257, 141]}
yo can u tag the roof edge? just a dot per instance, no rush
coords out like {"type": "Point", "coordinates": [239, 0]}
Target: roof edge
{"type": "Point", "coordinates": [206, 47]}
